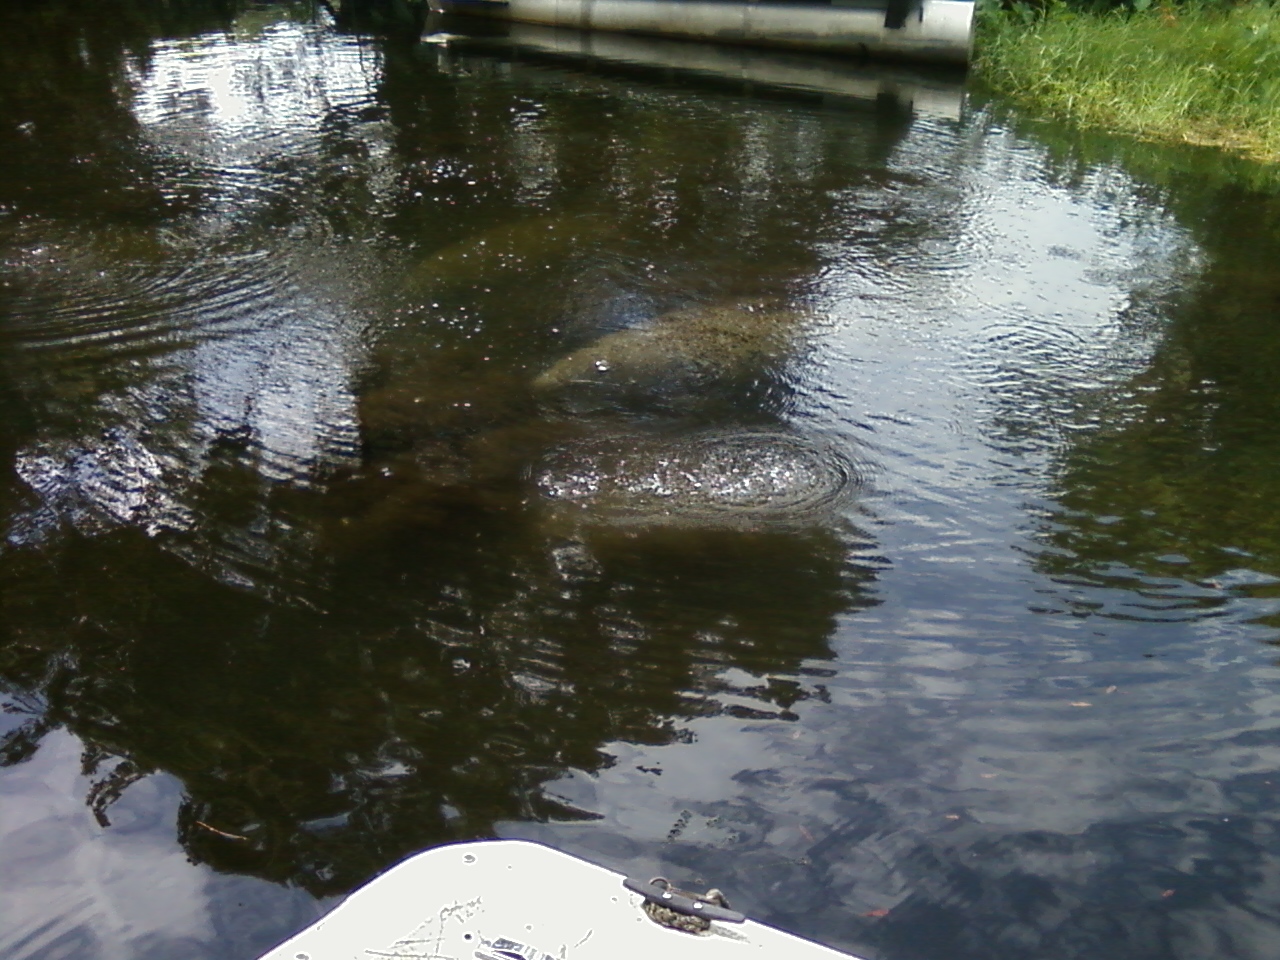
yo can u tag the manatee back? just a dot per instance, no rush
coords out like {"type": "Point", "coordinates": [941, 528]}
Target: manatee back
{"type": "Point", "coordinates": [626, 358]}
{"type": "Point", "coordinates": [682, 350]}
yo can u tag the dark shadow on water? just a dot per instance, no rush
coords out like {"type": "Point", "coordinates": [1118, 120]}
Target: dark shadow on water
{"type": "Point", "coordinates": [460, 665]}
{"type": "Point", "coordinates": [353, 637]}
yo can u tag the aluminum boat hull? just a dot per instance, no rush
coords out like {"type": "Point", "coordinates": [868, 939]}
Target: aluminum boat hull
{"type": "Point", "coordinates": [937, 31]}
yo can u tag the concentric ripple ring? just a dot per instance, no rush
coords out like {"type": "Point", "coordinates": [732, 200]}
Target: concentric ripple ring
{"type": "Point", "coordinates": [701, 478]}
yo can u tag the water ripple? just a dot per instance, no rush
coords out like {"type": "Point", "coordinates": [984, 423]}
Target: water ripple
{"type": "Point", "coordinates": [743, 477]}
{"type": "Point", "coordinates": [74, 297]}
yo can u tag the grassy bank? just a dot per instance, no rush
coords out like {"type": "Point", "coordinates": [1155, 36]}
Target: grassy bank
{"type": "Point", "coordinates": [1207, 74]}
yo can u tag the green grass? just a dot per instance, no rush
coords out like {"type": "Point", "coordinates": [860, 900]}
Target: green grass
{"type": "Point", "coordinates": [1204, 74]}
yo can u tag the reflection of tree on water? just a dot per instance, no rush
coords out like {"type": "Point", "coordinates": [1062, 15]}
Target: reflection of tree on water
{"type": "Point", "coordinates": [402, 19]}
{"type": "Point", "coordinates": [69, 144]}
{"type": "Point", "coordinates": [1183, 480]}
{"type": "Point", "coordinates": [457, 668]}
{"type": "Point", "coordinates": [1162, 529]}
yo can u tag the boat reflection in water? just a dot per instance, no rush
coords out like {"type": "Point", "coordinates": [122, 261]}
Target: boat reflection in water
{"type": "Point", "coordinates": [931, 91]}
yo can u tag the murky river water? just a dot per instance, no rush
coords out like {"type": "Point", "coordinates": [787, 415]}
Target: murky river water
{"type": "Point", "coordinates": [852, 502]}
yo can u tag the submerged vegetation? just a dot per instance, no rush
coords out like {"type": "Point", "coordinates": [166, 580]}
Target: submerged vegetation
{"type": "Point", "coordinates": [1202, 73]}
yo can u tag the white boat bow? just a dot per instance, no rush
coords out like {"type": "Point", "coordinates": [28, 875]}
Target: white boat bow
{"type": "Point", "coordinates": [516, 900]}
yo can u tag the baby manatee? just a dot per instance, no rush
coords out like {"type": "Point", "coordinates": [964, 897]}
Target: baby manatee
{"type": "Point", "coordinates": [685, 349]}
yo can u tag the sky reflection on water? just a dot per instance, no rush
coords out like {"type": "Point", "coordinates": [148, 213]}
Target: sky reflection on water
{"type": "Point", "coordinates": [283, 601]}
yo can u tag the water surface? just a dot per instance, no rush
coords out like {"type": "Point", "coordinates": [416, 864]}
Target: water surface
{"type": "Point", "coordinates": [933, 617]}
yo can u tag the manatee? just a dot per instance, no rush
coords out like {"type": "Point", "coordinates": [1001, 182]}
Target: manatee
{"type": "Point", "coordinates": [746, 478]}
{"type": "Point", "coordinates": [518, 246]}
{"type": "Point", "coordinates": [684, 349]}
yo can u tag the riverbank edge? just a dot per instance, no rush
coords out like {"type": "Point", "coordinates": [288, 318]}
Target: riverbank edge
{"type": "Point", "coordinates": [1203, 75]}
